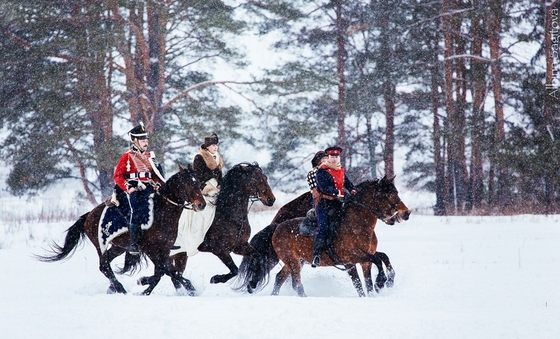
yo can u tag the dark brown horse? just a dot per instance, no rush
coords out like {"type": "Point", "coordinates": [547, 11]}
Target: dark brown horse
{"type": "Point", "coordinates": [181, 190]}
{"type": "Point", "coordinates": [298, 208]}
{"type": "Point", "coordinates": [355, 240]}
{"type": "Point", "coordinates": [230, 229]}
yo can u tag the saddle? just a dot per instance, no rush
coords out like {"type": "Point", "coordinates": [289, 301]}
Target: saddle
{"type": "Point", "coordinates": [308, 226]}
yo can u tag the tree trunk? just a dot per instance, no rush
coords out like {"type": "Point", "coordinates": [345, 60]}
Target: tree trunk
{"type": "Point", "coordinates": [388, 157]}
{"type": "Point", "coordinates": [478, 71]}
{"type": "Point", "coordinates": [341, 56]}
{"type": "Point", "coordinates": [439, 164]}
{"type": "Point", "coordinates": [448, 70]}
{"type": "Point", "coordinates": [494, 41]}
{"type": "Point", "coordinates": [459, 125]}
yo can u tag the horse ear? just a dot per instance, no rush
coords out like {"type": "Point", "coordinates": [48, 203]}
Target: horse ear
{"type": "Point", "coordinates": [181, 169]}
{"type": "Point", "coordinates": [392, 179]}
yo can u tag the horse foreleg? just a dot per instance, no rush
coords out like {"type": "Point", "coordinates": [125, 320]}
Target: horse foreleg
{"type": "Point", "coordinates": [233, 269]}
{"type": "Point", "coordinates": [366, 269]}
{"type": "Point", "coordinates": [105, 267]}
{"type": "Point", "coordinates": [152, 281]}
{"type": "Point", "coordinates": [390, 271]}
{"type": "Point", "coordinates": [177, 265]}
{"type": "Point", "coordinates": [381, 277]}
{"type": "Point", "coordinates": [353, 273]}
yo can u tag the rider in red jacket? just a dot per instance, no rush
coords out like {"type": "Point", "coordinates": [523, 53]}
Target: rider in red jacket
{"type": "Point", "coordinates": [138, 173]}
{"type": "Point", "coordinates": [331, 182]}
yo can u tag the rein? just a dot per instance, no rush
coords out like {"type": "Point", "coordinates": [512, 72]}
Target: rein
{"type": "Point", "coordinates": [187, 205]}
{"type": "Point", "coordinates": [376, 213]}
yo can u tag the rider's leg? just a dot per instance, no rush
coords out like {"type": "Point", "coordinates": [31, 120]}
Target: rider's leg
{"type": "Point", "coordinates": [320, 238]}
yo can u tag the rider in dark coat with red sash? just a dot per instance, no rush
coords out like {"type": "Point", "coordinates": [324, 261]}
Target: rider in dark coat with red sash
{"type": "Point", "coordinates": [137, 173]}
{"type": "Point", "coordinates": [331, 182]}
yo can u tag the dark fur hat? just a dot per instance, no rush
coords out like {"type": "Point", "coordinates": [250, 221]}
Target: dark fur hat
{"type": "Point", "coordinates": [210, 140]}
{"type": "Point", "coordinates": [317, 158]}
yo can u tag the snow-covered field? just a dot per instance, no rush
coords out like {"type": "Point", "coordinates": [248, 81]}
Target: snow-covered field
{"type": "Point", "coordinates": [457, 277]}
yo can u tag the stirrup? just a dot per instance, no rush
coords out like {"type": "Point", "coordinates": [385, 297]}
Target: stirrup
{"type": "Point", "coordinates": [133, 249]}
{"type": "Point", "coordinates": [316, 261]}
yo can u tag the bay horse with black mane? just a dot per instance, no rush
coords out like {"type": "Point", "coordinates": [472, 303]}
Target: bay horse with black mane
{"type": "Point", "coordinates": [298, 208]}
{"type": "Point", "coordinates": [182, 190]}
{"type": "Point", "coordinates": [230, 230]}
{"type": "Point", "coordinates": [354, 243]}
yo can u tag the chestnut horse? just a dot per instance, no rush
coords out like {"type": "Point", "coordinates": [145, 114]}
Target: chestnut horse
{"type": "Point", "coordinates": [354, 243]}
{"type": "Point", "coordinates": [180, 191]}
{"type": "Point", "coordinates": [298, 208]}
{"type": "Point", "coordinates": [230, 230]}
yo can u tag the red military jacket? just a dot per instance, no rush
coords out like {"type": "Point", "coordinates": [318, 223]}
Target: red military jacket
{"type": "Point", "coordinates": [135, 165]}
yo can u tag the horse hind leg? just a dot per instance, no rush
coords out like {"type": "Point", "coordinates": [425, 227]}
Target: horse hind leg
{"type": "Point", "coordinates": [295, 269]}
{"type": "Point", "coordinates": [280, 279]}
{"type": "Point", "coordinates": [105, 267]}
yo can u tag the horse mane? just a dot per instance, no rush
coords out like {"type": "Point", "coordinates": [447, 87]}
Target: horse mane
{"type": "Point", "coordinates": [167, 187]}
{"type": "Point", "coordinates": [384, 185]}
{"type": "Point", "coordinates": [233, 180]}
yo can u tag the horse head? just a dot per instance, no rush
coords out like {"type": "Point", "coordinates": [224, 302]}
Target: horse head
{"type": "Point", "coordinates": [390, 202]}
{"type": "Point", "coordinates": [253, 182]}
{"type": "Point", "coordinates": [184, 189]}
{"type": "Point", "coordinates": [383, 197]}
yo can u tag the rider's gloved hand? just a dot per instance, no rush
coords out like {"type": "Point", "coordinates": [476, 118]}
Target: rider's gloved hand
{"type": "Point", "coordinates": [140, 186]}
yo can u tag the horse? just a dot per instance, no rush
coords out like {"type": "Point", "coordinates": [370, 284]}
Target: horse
{"type": "Point", "coordinates": [354, 242]}
{"type": "Point", "coordinates": [182, 190]}
{"type": "Point", "coordinates": [230, 229]}
{"type": "Point", "coordinates": [298, 208]}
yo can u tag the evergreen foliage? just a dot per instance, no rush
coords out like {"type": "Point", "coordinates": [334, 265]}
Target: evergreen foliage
{"type": "Point", "coordinates": [469, 89]}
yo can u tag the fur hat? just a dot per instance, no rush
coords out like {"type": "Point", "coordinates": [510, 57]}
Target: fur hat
{"type": "Point", "coordinates": [317, 158]}
{"type": "Point", "coordinates": [210, 140]}
{"type": "Point", "coordinates": [335, 150]}
{"type": "Point", "coordinates": [138, 132]}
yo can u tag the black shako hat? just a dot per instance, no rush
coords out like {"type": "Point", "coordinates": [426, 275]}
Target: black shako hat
{"type": "Point", "coordinates": [210, 140]}
{"type": "Point", "coordinates": [317, 158]}
{"type": "Point", "coordinates": [335, 150]}
{"type": "Point", "coordinates": [138, 132]}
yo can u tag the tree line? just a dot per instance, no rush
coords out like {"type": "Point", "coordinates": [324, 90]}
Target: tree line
{"type": "Point", "coordinates": [467, 88]}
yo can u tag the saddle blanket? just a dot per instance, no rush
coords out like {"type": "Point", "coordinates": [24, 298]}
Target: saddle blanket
{"type": "Point", "coordinates": [114, 220]}
{"type": "Point", "coordinates": [193, 227]}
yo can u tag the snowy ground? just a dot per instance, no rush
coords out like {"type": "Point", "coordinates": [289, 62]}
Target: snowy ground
{"type": "Point", "coordinates": [457, 277]}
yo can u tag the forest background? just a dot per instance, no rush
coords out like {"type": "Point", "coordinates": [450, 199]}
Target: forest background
{"type": "Point", "coordinates": [466, 90]}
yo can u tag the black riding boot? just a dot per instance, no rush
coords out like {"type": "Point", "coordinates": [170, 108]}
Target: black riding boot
{"type": "Point", "coordinates": [318, 248]}
{"type": "Point", "coordinates": [134, 232]}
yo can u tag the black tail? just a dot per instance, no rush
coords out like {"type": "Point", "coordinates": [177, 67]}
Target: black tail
{"type": "Point", "coordinates": [133, 263]}
{"type": "Point", "coordinates": [74, 235]}
{"type": "Point", "coordinates": [254, 270]}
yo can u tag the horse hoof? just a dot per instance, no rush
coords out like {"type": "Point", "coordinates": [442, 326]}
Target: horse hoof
{"type": "Point", "coordinates": [143, 281]}
{"type": "Point", "coordinates": [114, 290]}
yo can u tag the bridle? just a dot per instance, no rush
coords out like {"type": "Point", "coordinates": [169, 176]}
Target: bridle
{"type": "Point", "coordinates": [393, 207]}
